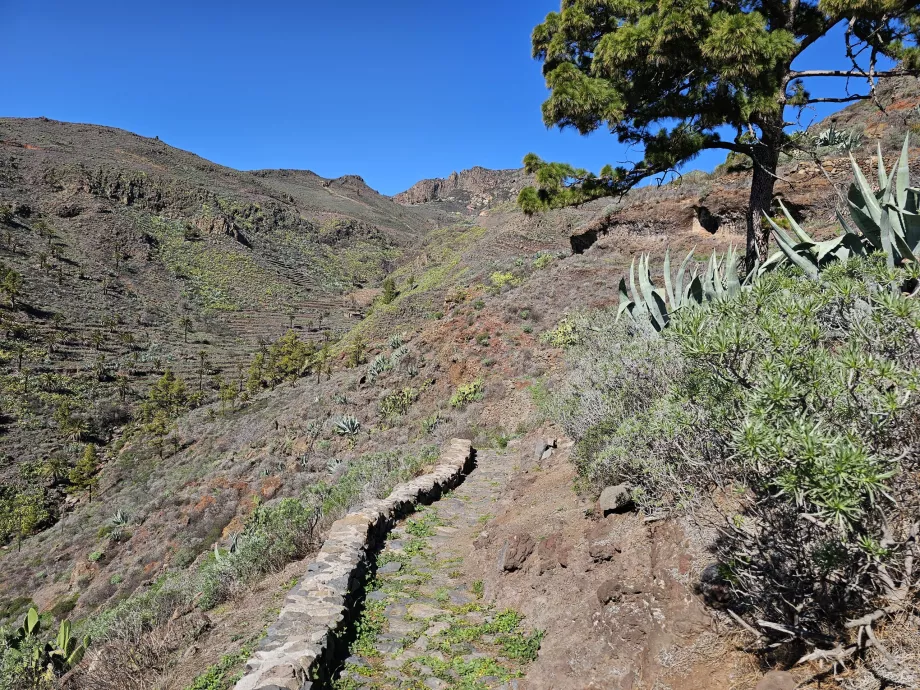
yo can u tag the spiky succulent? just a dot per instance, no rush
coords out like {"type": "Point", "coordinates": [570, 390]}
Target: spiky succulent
{"type": "Point", "coordinates": [379, 365]}
{"type": "Point", "coordinates": [886, 221]}
{"type": "Point", "coordinates": [842, 140]}
{"type": "Point", "coordinates": [687, 289]}
{"type": "Point", "coordinates": [347, 425]}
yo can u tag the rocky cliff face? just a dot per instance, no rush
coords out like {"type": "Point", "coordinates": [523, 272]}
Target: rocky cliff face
{"type": "Point", "coordinates": [476, 188]}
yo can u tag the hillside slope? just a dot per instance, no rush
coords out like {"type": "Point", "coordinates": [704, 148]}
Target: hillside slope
{"type": "Point", "coordinates": [152, 560]}
{"type": "Point", "coordinates": [135, 258]}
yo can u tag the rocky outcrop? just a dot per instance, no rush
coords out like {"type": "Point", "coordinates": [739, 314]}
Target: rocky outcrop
{"type": "Point", "coordinates": [309, 637]}
{"type": "Point", "coordinates": [476, 188]}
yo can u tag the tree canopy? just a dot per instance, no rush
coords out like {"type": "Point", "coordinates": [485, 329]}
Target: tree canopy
{"type": "Point", "coordinates": [668, 74]}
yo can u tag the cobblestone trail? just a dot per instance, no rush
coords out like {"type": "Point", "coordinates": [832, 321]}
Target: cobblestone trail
{"type": "Point", "coordinates": [424, 624]}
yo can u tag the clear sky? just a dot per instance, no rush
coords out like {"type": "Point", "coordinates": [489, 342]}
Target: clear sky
{"type": "Point", "coordinates": [394, 91]}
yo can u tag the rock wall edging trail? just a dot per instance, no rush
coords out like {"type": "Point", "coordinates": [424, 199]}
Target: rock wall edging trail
{"type": "Point", "coordinates": [302, 648]}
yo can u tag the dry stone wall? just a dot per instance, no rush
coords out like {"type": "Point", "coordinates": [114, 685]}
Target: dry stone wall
{"type": "Point", "coordinates": [301, 649]}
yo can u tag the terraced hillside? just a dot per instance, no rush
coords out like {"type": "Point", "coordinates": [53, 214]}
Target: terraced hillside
{"type": "Point", "coordinates": [131, 258]}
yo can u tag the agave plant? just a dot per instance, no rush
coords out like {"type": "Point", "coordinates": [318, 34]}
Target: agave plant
{"type": "Point", "coordinates": [396, 341]}
{"type": "Point", "coordinates": [379, 365]}
{"type": "Point", "coordinates": [120, 519]}
{"type": "Point", "coordinates": [720, 279]}
{"type": "Point", "coordinates": [886, 221]}
{"type": "Point", "coordinates": [347, 426]}
{"type": "Point", "coordinates": [398, 355]}
{"type": "Point", "coordinates": [806, 253]}
{"type": "Point", "coordinates": [841, 140]}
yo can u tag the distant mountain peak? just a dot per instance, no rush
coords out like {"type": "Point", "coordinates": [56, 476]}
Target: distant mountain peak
{"type": "Point", "coordinates": [475, 188]}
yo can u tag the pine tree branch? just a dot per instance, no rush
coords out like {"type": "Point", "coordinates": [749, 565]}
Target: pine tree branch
{"type": "Point", "coordinates": [851, 73]}
{"type": "Point", "coordinates": [843, 99]}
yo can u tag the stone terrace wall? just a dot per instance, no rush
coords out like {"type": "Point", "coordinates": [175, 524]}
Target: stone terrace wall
{"type": "Point", "coordinates": [301, 649]}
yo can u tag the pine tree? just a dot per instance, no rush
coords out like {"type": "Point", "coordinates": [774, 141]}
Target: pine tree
{"type": "Point", "coordinates": [667, 76]}
{"type": "Point", "coordinates": [83, 475]}
{"type": "Point", "coordinates": [389, 291]}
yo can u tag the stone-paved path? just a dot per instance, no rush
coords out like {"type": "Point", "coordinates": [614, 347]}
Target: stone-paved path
{"type": "Point", "coordinates": [424, 625]}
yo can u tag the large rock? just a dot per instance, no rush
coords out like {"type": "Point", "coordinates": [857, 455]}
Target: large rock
{"type": "Point", "coordinates": [514, 551]}
{"type": "Point", "coordinates": [616, 499]}
{"type": "Point", "coordinates": [777, 680]}
{"type": "Point", "coordinates": [553, 551]}
{"type": "Point", "coordinates": [602, 545]}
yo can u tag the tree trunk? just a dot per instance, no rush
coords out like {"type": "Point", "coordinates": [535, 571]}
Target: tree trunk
{"type": "Point", "coordinates": [765, 156]}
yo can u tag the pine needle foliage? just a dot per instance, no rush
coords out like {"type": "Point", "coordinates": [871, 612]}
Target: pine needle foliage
{"type": "Point", "coordinates": [668, 76]}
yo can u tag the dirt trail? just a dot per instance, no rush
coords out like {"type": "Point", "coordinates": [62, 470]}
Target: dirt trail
{"type": "Point", "coordinates": [425, 625]}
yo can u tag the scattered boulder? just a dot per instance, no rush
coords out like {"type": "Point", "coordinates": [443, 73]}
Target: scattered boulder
{"type": "Point", "coordinates": [601, 545]}
{"type": "Point", "coordinates": [777, 680]}
{"type": "Point", "coordinates": [616, 499]}
{"type": "Point", "coordinates": [68, 210]}
{"type": "Point", "coordinates": [542, 445]}
{"type": "Point", "coordinates": [553, 551]}
{"type": "Point", "coordinates": [514, 551]}
{"type": "Point", "coordinates": [714, 588]}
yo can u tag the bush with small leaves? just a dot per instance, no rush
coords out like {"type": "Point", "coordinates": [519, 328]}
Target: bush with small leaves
{"type": "Point", "coordinates": [397, 403]}
{"type": "Point", "coordinates": [467, 393]}
{"type": "Point", "coordinates": [798, 396]}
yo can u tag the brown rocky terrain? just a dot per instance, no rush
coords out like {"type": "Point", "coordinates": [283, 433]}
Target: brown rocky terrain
{"type": "Point", "coordinates": [134, 235]}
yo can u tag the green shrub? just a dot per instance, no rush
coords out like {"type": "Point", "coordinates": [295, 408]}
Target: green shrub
{"type": "Point", "coordinates": [542, 261]}
{"type": "Point", "coordinates": [390, 292]}
{"type": "Point", "coordinates": [500, 279]}
{"type": "Point", "coordinates": [795, 397]}
{"type": "Point", "coordinates": [287, 359]}
{"type": "Point", "coordinates": [467, 393]}
{"type": "Point", "coordinates": [563, 335]}
{"type": "Point", "coordinates": [398, 403]}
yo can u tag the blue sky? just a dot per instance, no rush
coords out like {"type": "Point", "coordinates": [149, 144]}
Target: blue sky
{"type": "Point", "coordinates": [393, 91]}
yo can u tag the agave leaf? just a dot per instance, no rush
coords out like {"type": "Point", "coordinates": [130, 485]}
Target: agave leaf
{"type": "Point", "coordinates": [32, 623]}
{"type": "Point", "coordinates": [904, 249]}
{"type": "Point", "coordinates": [679, 290]}
{"type": "Point", "coordinates": [871, 204]}
{"type": "Point", "coordinates": [695, 292]}
{"type": "Point", "coordinates": [778, 231]}
{"type": "Point", "coordinates": [796, 228]}
{"type": "Point", "coordinates": [882, 174]}
{"type": "Point", "coordinates": [910, 227]}
{"type": "Point", "coordinates": [732, 282]}
{"type": "Point", "coordinates": [902, 174]}
{"type": "Point", "coordinates": [626, 304]}
{"type": "Point", "coordinates": [867, 225]}
{"type": "Point", "coordinates": [63, 638]}
{"type": "Point", "coordinates": [656, 307]}
{"type": "Point", "coordinates": [637, 296]}
{"type": "Point", "coordinates": [709, 290]}
{"type": "Point", "coordinates": [804, 262]}
{"type": "Point", "coordinates": [828, 247]}
{"type": "Point", "coordinates": [854, 244]}
{"type": "Point", "coordinates": [668, 286]}
{"type": "Point", "coordinates": [773, 261]}
{"type": "Point", "coordinates": [887, 240]}
{"type": "Point", "coordinates": [77, 655]}
{"type": "Point", "coordinates": [848, 229]}
{"type": "Point", "coordinates": [912, 205]}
